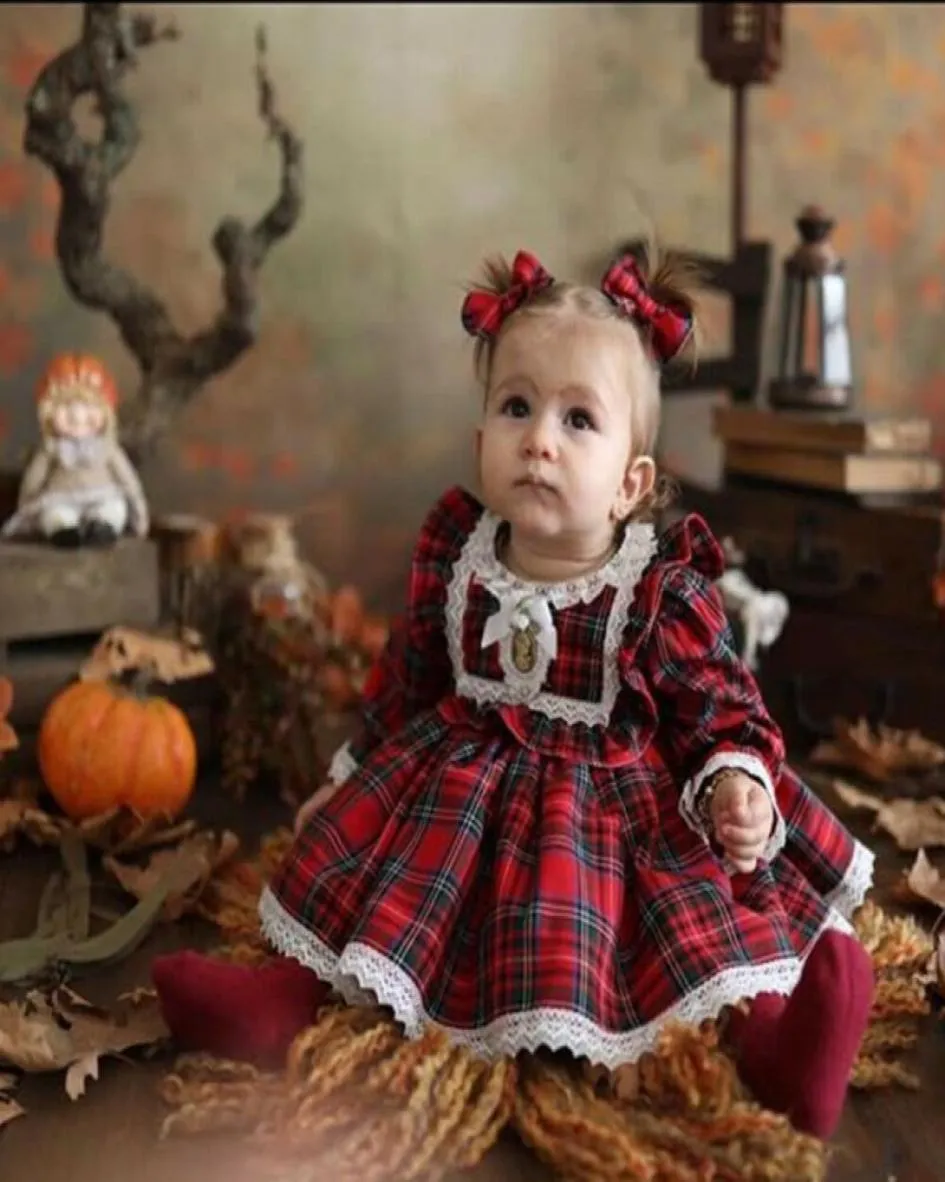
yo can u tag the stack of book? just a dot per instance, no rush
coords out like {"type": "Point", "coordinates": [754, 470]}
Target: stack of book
{"type": "Point", "coordinates": [861, 455]}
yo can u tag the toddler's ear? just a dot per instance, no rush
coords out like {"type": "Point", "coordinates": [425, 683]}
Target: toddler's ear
{"type": "Point", "coordinates": [638, 482]}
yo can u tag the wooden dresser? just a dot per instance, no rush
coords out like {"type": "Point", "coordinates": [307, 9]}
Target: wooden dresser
{"type": "Point", "coordinates": [865, 637]}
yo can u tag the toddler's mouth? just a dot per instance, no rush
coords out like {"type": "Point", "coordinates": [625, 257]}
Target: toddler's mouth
{"type": "Point", "coordinates": [536, 483]}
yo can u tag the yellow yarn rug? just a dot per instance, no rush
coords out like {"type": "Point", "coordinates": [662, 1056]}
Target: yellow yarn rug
{"type": "Point", "coordinates": [359, 1103]}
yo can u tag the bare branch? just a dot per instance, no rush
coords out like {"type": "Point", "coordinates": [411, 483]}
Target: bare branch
{"type": "Point", "coordinates": [242, 250]}
{"type": "Point", "coordinates": [96, 65]}
{"type": "Point", "coordinates": [173, 367]}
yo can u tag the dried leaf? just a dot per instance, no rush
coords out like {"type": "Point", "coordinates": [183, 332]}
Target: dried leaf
{"type": "Point", "coordinates": [79, 1073]}
{"type": "Point", "coordinates": [140, 993]}
{"type": "Point", "coordinates": [833, 754]}
{"type": "Point", "coordinates": [20, 818]}
{"type": "Point", "coordinates": [123, 650]}
{"type": "Point", "coordinates": [116, 831]}
{"type": "Point", "coordinates": [56, 1032]}
{"type": "Point", "coordinates": [63, 996]}
{"type": "Point", "coordinates": [922, 883]}
{"type": "Point", "coordinates": [881, 755]}
{"type": "Point", "coordinates": [6, 696]}
{"type": "Point", "coordinates": [913, 824]}
{"type": "Point", "coordinates": [856, 798]}
{"type": "Point", "coordinates": [197, 859]}
{"type": "Point", "coordinates": [122, 832]}
{"type": "Point", "coordinates": [9, 1110]}
{"type": "Point", "coordinates": [99, 831]}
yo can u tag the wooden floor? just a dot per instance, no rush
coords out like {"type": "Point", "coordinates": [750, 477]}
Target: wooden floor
{"type": "Point", "coordinates": [109, 1134]}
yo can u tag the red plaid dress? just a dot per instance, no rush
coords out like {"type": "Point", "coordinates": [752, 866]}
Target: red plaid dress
{"type": "Point", "coordinates": [514, 854]}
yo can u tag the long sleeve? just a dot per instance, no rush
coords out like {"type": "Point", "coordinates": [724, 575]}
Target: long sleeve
{"type": "Point", "coordinates": [414, 672]}
{"type": "Point", "coordinates": [711, 712]}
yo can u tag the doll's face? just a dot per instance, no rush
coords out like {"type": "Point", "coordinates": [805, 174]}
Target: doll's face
{"type": "Point", "coordinates": [77, 418]}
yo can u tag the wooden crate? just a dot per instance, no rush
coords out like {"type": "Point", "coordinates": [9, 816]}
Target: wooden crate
{"type": "Point", "coordinates": [54, 604]}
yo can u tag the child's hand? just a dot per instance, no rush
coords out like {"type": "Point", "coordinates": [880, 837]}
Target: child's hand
{"type": "Point", "coordinates": [317, 800]}
{"type": "Point", "coordinates": [742, 819]}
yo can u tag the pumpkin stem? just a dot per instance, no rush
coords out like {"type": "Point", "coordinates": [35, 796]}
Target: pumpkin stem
{"type": "Point", "coordinates": [140, 679]}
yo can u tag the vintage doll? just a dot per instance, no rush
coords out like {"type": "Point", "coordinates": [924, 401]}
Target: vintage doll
{"type": "Point", "coordinates": [79, 486]}
{"type": "Point", "coordinates": [566, 818]}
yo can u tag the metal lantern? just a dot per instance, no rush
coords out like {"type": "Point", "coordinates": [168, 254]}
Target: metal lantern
{"type": "Point", "coordinates": [741, 46]}
{"type": "Point", "coordinates": [741, 43]}
{"type": "Point", "coordinates": [814, 363]}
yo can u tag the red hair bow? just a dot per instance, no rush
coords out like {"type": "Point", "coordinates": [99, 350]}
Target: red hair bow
{"type": "Point", "coordinates": [670, 325]}
{"type": "Point", "coordinates": [484, 311]}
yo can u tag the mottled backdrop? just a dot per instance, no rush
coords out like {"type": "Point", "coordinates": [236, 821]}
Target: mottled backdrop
{"type": "Point", "coordinates": [436, 133]}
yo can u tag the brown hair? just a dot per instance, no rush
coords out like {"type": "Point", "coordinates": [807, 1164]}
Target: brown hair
{"type": "Point", "coordinates": [670, 279]}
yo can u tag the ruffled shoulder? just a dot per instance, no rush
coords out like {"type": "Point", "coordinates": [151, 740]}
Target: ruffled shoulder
{"type": "Point", "coordinates": [680, 577]}
{"type": "Point", "coordinates": [690, 543]}
{"type": "Point", "coordinates": [447, 526]}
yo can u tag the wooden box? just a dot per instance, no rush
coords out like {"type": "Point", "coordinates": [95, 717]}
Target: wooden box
{"type": "Point", "coordinates": [865, 637]}
{"type": "Point", "coordinates": [55, 603]}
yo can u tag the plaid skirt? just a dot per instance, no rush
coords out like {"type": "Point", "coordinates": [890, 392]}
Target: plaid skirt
{"type": "Point", "coordinates": [518, 900]}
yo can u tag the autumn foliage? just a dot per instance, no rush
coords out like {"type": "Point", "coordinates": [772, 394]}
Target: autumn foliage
{"type": "Point", "coordinates": [356, 640]}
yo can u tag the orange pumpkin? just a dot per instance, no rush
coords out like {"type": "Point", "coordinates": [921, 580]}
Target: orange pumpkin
{"type": "Point", "coordinates": [103, 746]}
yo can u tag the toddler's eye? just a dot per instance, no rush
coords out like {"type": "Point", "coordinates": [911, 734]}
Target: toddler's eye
{"type": "Point", "coordinates": [515, 407]}
{"type": "Point", "coordinates": [580, 420]}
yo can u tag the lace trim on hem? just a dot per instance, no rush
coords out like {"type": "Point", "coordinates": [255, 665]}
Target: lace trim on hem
{"type": "Point", "coordinates": [363, 976]}
{"type": "Point", "coordinates": [848, 896]}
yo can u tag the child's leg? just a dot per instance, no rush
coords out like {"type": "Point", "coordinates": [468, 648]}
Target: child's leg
{"type": "Point", "coordinates": [247, 1012]}
{"type": "Point", "coordinates": [796, 1053]}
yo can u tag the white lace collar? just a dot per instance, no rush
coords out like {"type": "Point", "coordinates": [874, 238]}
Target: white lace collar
{"type": "Point", "coordinates": [625, 563]}
{"type": "Point", "coordinates": [479, 561]}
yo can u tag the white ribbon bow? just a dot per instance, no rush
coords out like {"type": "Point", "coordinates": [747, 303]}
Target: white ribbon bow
{"type": "Point", "coordinates": [519, 614]}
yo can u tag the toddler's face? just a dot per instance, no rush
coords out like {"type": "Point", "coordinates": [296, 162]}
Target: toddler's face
{"type": "Point", "coordinates": [555, 446]}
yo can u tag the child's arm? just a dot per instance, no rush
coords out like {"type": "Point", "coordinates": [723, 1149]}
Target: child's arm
{"type": "Point", "coordinates": [711, 713]}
